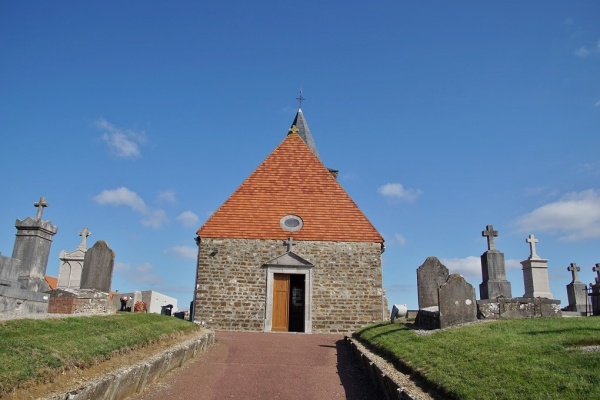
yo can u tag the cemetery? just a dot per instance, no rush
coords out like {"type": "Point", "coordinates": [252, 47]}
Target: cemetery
{"type": "Point", "coordinates": [292, 291]}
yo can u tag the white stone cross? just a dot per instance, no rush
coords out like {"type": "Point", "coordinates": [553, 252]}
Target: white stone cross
{"type": "Point", "coordinates": [596, 269]}
{"type": "Point", "coordinates": [40, 206]}
{"type": "Point", "coordinates": [490, 233]}
{"type": "Point", "coordinates": [84, 234]}
{"type": "Point", "coordinates": [532, 241]}
{"type": "Point", "coordinates": [289, 243]}
{"type": "Point", "coordinates": [574, 269]}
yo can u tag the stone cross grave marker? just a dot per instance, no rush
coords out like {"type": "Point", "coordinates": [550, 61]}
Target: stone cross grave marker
{"type": "Point", "coordinates": [84, 235]}
{"type": "Point", "coordinates": [40, 206]}
{"type": "Point", "coordinates": [596, 269]}
{"type": "Point", "coordinates": [532, 241]}
{"type": "Point", "coordinates": [490, 233]}
{"type": "Point", "coordinates": [574, 270]}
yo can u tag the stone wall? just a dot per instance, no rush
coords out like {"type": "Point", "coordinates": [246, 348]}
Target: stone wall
{"type": "Point", "coordinates": [518, 307]}
{"type": "Point", "coordinates": [347, 290]}
{"type": "Point", "coordinates": [75, 301]}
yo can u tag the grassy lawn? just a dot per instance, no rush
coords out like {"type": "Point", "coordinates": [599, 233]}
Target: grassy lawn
{"type": "Point", "coordinates": [37, 350]}
{"type": "Point", "coordinates": [517, 359]}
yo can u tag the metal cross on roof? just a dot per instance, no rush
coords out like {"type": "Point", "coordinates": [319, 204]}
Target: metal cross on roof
{"type": "Point", "coordinates": [289, 243]}
{"type": "Point", "coordinates": [300, 98]}
{"type": "Point", "coordinates": [574, 270]}
{"type": "Point", "coordinates": [490, 233]}
{"type": "Point", "coordinates": [532, 241]}
{"type": "Point", "coordinates": [40, 206]}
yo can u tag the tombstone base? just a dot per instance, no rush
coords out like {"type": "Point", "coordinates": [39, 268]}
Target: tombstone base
{"type": "Point", "coordinates": [34, 284]}
{"type": "Point", "coordinates": [495, 289]}
{"type": "Point", "coordinates": [16, 300]}
{"type": "Point", "coordinates": [517, 308]}
{"type": "Point", "coordinates": [78, 301]}
{"type": "Point", "coordinates": [428, 318]}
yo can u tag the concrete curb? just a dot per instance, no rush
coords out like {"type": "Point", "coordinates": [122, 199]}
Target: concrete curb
{"type": "Point", "coordinates": [384, 382]}
{"type": "Point", "coordinates": [133, 379]}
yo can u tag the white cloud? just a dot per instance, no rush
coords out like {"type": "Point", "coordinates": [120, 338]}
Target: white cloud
{"type": "Point", "coordinates": [167, 196]}
{"type": "Point", "coordinates": [119, 267]}
{"type": "Point", "coordinates": [470, 267]}
{"type": "Point", "coordinates": [144, 274]}
{"type": "Point", "coordinates": [188, 219]}
{"type": "Point", "coordinates": [124, 143]}
{"type": "Point", "coordinates": [400, 239]}
{"type": "Point", "coordinates": [186, 252]}
{"type": "Point", "coordinates": [585, 51]}
{"type": "Point", "coordinates": [576, 216]}
{"type": "Point", "coordinates": [397, 191]}
{"type": "Point", "coordinates": [153, 218]}
{"type": "Point", "coordinates": [122, 197]}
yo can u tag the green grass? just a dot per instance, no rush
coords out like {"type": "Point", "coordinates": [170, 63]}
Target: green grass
{"type": "Point", "coordinates": [518, 359]}
{"type": "Point", "coordinates": [38, 350]}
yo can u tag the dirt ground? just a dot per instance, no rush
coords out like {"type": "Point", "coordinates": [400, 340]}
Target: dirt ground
{"type": "Point", "coordinates": [76, 378]}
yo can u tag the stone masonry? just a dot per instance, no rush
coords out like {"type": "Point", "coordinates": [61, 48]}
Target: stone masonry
{"type": "Point", "coordinates": [347, 291]}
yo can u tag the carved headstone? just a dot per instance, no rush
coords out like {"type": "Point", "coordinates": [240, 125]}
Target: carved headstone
{"type": "Point", "coordinates": [535, 273]}
{"type": "Point", "coordinates": [71, 263]}
{"type": "Point", "coordinates": [494, 283]}
{"type": "Point", "coordinates": [577, 292]}
{"type": "Point", "coordinates": [32, 248]}
{"type": "Point", "coordinates": [98, 267]}
{"type": "Point", "coordinates": [430, 276]}
{"type": "Point", "coordinates": [458, 304]}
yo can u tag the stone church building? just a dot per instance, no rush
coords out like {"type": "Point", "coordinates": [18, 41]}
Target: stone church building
{"type": "Point", "coordinates": [289, 251]}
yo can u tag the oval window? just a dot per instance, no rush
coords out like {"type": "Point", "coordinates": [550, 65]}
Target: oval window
{"type": "Point", "coordinates": [291, 223]}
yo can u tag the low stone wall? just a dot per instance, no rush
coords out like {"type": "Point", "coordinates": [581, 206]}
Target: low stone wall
{"type": "Point", "coordinates": [518, 307]}
{"type": "Point", "coordinates": [133, 379]}
{"type": "Point", "coordinates": [77, 301]}
{"type": "Point", "coordinates": [382, 380]}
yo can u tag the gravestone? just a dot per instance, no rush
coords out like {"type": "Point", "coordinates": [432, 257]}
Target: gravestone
{"type": "Point", "coordinates": [494, 283]}
{"type": "Point", "coordinates": [595, 295]}
{"type": "Point", "coordinates": [98, 267]}
{"type": "Point", "coordinates": [457, 304]}
{"type": "Point", "coordinates": [535, 273]}
{"type": "Point", "coordinates": [71, 263]}
{"type": "Point", "coordinates": [32, 248]}
{"type": "Point", "coordinates": [430, 276]}
{"type": "Point", "coordinates": [577, 292]}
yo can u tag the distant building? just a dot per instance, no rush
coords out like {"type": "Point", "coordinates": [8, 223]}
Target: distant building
{"type": "Point", "coordinates": [155, 301]}
{"type": "Point", "coordinates": [289, 250]}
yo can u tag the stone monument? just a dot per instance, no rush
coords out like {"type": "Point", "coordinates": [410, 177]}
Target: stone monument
{"type": "Point", "coordinates": [494, 283]}
{"type": "Point", "coordinates": [430, 276]}
{"type": "Point", "coordinates": [595, 295]}
{"type": "Point", "coordinates": [577, 292]}
{"type": "Point", "coordinates": [98, 267]}
{"type": "Point", "coordinates": [457, 304]}
{"type": "Point", "coordinates": [71, 263]}
{"type": "Point", "coordinates": [535, 273]}
{"type": "Point", "coordinates": [32, 248]}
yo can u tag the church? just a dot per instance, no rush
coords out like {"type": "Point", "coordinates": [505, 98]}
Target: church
{"type": "Point", "coordinates": [289, 250]}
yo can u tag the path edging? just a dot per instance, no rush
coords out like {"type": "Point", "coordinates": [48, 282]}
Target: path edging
{"type": "Point", "coordinates": [383, 381]}
{"type": "Point", "coordinates": [130, 380]}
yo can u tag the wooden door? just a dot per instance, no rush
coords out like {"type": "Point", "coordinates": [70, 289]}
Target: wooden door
{"type": "Point", "coordinates": [281, 302]}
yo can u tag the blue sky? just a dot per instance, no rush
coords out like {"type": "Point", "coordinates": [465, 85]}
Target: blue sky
{"type": "Point", "coordinates": [138, 119]}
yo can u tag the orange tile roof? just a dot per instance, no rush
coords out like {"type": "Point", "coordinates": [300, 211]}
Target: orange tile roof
{"type": "Point", "coordinates": [52, 281]}
{"type": "Point", "coordinates": [291, 181]}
